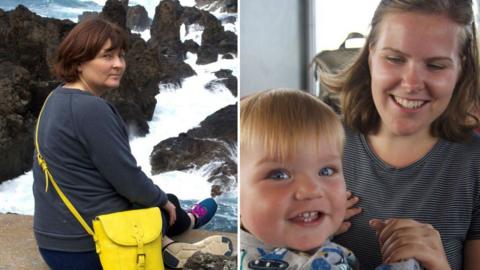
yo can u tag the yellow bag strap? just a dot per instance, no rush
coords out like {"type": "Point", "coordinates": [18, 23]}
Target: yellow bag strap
{"type": "Point", "coordinates": [49, 178]}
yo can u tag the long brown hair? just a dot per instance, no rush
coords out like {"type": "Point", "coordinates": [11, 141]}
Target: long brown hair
{"type": "Point", "coordinates": [354, 82]}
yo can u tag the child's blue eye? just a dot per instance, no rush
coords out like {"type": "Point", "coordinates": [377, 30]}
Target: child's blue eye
{"type": "Point", "coordinates": [327, 171]}
{"type": "Point", "coordinates": [278, 175]}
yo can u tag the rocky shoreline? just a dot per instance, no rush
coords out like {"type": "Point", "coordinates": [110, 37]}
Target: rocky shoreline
{"type": "Point", "coordinates": [27, 45]}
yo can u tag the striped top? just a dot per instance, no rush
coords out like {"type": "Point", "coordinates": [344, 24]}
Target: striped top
{"type": "Point", "coordinates": [441, 189]}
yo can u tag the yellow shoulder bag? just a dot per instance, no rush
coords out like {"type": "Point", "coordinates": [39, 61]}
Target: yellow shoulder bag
{"type": "Point", "coordinates": [127, 240]}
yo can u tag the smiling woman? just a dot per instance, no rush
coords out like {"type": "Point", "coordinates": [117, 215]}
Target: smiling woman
{"type": "Point", "coordinates": [408, 102]}
{"type": "Point", "coordinates": [413, 81]}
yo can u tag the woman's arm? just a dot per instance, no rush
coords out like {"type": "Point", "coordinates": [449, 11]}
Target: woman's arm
{"type": "Point", "coordinates": [471, 255]}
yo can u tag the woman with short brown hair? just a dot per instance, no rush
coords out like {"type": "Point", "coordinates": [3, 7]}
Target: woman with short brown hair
{"type": "Point", "coordinates": [84, 143]}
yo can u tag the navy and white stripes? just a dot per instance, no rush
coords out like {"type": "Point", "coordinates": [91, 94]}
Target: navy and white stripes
{"type": "Point", "coordinates": [441, 189]}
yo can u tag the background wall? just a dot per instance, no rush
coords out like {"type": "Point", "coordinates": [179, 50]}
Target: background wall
{"type": "Point", "coordinates": [273, 44]}
{"type": "Point", "coordinates": [279, 38]}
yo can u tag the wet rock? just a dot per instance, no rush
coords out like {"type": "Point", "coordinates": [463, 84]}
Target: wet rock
{"type": "Point", "coordinates": [228, 43]}
{"type": "Point", "coordinates": [87, 15]}
{"type": "Point", "coordinates": [124, 4]}
{"type": "Point", "coordinates": [207, 261]}
{"type": "Point", "coordinates": [211, 143]}
{"type": "Point", "coordinates": [223, 73]}
{"type": "Point", "coordinates": [27, 45]}
{"type": "Point", "coordinates": [216, 190]}
{"type": "Point", "coordinates": [219, 125]}
{"type": "Point", "coordinates": [115, 11]}
{"type": "Point", "coordinates": [228, 56]}
{"type": "Point", "coordinates": [191, 46]}
{"type": "Point", "coordinates": [223, 178]}
{"type": "Point", "coordinates": [207, 54]}
{"type": "Point", "coordinates": [215, 5]}
{"type": "Point", "coordinates": [214, 37]}
{"type": "Point", "coordinates": [137, 18]}
{"type": "Point", "coordinates": [225, 78]}
{"type": "Point", "coordinates": [16, 121]}
{"type": "Point", "coordinates": [34, 40]}
{"type": "Point", "coordinates": [214, 30]}
{"type": "Point", "coordinates": [185, 152]}
{"type": "Point", "coordinates": [165, 30]}
{"type": "Point", "coordinates": [165, 40]}
{"type": "Point", "coordinates": [191, 15]}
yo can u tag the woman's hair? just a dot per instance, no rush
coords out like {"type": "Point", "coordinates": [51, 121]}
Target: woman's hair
{"type": "Point", "coordinates": [280, 120]}
{"type": "Point", "coordinates": [354, 82]}
{"type": "Point", "coordinates": [83, 43]}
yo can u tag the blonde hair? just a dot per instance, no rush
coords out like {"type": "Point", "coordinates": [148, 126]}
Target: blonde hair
{"type": "Point", "coordinates": [281, 119]}
{"type": "Point", "coordinates": [354, 83]}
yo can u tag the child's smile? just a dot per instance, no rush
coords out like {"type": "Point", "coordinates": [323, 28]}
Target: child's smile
{"type": "Point", "coordinates": [297, 203]}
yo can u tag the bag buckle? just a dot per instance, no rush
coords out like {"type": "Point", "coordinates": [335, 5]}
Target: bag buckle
{"type": "Point", "coordinates": [140, 261]}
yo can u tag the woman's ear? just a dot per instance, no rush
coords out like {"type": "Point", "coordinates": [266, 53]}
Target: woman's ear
{"type": "Point", "coordinates": [79, 68]}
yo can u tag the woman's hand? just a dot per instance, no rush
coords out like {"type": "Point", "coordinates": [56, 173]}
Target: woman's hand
{"type": "Point", "coordinates": [402, 239]}
{"type": "Point", "coordinates": [172, 214]}
{"type": "Point", "coordinates": [351, 212]}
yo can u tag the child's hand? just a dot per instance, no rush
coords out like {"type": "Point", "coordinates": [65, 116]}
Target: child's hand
{"type": "Point", "coordinates": [351, 212]}
{"type": "Point", "coordinates": [401, 239]}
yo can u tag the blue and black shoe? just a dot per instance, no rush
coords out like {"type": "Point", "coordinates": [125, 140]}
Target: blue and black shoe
{"type": "Point", "coordinates": [203, 212]}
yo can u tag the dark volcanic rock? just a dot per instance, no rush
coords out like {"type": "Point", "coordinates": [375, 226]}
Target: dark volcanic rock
{"type": "Point", "coordinates": [228, 56]}
{"type": "Point", "coordinates": [214, 35]}
{"type": "Point", "coordinates": [185, 152]}
{"type": "Point", "coordinates": [228, 43]}
{"type": "Point", "coordinates": [225, 78]}
{"type": "Point", "coordinates": [165, 30]}
{"type": "Point", "coordinates": [207, 261]}
{"type": "Point", "coordinates": [30, 41]}
{"type": "Point", "coordinates": [87, 15]}
{"type": "Point", "coordinates": [191, 15]}
{"type": "Point", "coordinates": [213, 5]}
{"type": "Point", "coordinates": [169, 16]}
{"type": "Point", "coordinates": [207, 54]}
{"type": "Point", "coordinates": [223, 73]}
{"type": "Point", "coordinates": [191, 46]}
{"type": "Point", "coordinates": [27, 45]}
{"type": "Point", "coordinates": [137, 18]}
{"type": "Point", "coordinates": [16, 121]}
{"type": "Point", "coordinates": [222, 125]}
{"type": "Point", "coordinates": [165, 40]}
{"type": "Point", "coordinates": [212, 141]}
{"type": "Point", "coordinates": [115, 11]}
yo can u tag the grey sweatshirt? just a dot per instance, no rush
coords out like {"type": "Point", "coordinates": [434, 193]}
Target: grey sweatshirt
{"type": "Point", "coordinates": [85, 144]}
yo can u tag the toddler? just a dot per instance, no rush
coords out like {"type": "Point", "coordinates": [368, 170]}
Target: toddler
{"type": "Point", "coordinates": [292, 190]}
